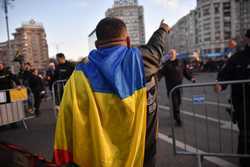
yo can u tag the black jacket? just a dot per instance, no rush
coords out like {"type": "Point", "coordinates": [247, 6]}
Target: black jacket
{"type": "Point", "coordinates": [238, 68]}
{"type": "Point", "coordinates": [151, 54]}
{"type": "Point", "coordinates": [7, 80]}
{"type": "Point", "coordinates": [63, 71]}
{"type": "Point", "coordinates": [36, 84]}
{"type": "Point", "coordinates": [25, 76]}
{"type": "Point", "coordinates": [174, 72]}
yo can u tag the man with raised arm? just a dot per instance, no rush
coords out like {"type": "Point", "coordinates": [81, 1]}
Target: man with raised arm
{"type": "Point", "coordinates": [105, 118]}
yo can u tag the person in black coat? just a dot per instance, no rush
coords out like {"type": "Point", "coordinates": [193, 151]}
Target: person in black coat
{"type": "Point", "coordinates": [37, 88]}
{"type": "Point", "coordinates": [63, 71]}
{"type": "Point", "coordinates": [7, 78]}
{"type": "Point", "coordinates": [25, 74]}
{"type": "Point", "coordinates": [173, 70]}
{"type": "Point", "coordinates": [238, 68]}
{"type": "Point", "coordinates": [64, 68]}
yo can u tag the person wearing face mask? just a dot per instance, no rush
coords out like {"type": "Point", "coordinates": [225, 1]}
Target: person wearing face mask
{"type": "Point", "coordinates": [238, 68]}
{"type": "Point", "coordinates": [62, 72]}
{"type": "Point", "coordinates": [173, 70]}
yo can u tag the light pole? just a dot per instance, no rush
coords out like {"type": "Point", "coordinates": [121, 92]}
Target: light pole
{"type": "Point", "coordinates": [5, 7]}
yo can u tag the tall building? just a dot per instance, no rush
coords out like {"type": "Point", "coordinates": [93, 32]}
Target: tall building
{"type": "Point", "coordinates": [30, 41]}
{"type": "Point", "coordinates": [216, 24]}
{"type": "Point", "coordinates": [133, 16]}
{"type": "Point", "coordinates": [244, 15]}
{"type": "Point", "coordinates": [182, 36]}
{"type": "Point", "coordinates": [210, 26]}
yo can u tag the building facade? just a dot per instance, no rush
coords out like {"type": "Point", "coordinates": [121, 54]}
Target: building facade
{"type": "Point", "coordinates": [244, 15]}
{"type": "Point", "coordinates": [182, 36]}
{"type": "Point", "coordinates": [133, 16]}
{"type": "Point", "coordinates": [210, 26]}
{"type": "Point", "coordinates": [30, 41]}
{"type": "Point", "coordinates": [91, 40]}
{"type": "Point", "coordinates": [217, 23]}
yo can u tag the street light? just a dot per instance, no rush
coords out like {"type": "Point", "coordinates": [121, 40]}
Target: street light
{"type": "Point", "coordinates": [5, 6]}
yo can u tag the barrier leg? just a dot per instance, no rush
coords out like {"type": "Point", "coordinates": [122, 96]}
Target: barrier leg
{"type": "Point", "coordinates": [199, 159]}
{"type": "Point", "coordinates": [25, 125]}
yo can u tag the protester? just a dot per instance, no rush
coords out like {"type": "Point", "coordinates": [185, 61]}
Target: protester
{"type": "Point", "coordinates": [37, 88]}
{"type": "Point", "coordinates": [64, 68]}
{"type": "Point", "coordinates": [238, 68]}
{"type": "Point", "coordinates": [103, 114]}
{"type": "Point", "coordinates": [173, 71]}
{"type": "Point", "coordinates": [62, 72]}
{"type": "Point", "coordinates": [7, 78]}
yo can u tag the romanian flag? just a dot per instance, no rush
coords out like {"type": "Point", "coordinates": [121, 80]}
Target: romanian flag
{"type": "Point", "coordinates": [102, 118]}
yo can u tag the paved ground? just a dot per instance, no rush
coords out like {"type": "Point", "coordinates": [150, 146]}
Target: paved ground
{"type": "Point", "coordinates": [200, 133]}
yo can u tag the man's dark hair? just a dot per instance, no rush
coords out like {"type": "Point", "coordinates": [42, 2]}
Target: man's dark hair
{"type": "Point", "coordinates": [60, 55]}
{"type": "Point", "coordinates": [110, 28]}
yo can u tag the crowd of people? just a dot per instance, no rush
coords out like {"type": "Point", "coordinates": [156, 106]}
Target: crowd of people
{"type": "Point", "coordinates": [39, 83]}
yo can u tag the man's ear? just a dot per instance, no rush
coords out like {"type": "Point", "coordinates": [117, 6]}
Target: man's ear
{"type": "Point", "coordinates": [96, 44]}
{"type": "Point", "coordinates": [128, 42]}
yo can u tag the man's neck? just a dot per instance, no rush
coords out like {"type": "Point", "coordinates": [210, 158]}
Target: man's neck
{"type": "Point", "coordinates": [63, 63]}
{"type": "Point", "coordinates": [113, 44]}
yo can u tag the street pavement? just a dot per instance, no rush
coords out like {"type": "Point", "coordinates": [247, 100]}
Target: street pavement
{"type": "Point", "coordinates": [201, 132]}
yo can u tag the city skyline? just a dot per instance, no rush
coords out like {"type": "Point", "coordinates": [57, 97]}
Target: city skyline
{"type": "Point", "coordinates": [68, 23]}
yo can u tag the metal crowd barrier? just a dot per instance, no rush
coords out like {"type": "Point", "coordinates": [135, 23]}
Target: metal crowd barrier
{"type": "Point", "coordinates": [57, 93]}
{"type": "Point", "coordinates": [208, 129]}
{"type": "Point", "coordinates": [13, 106]}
